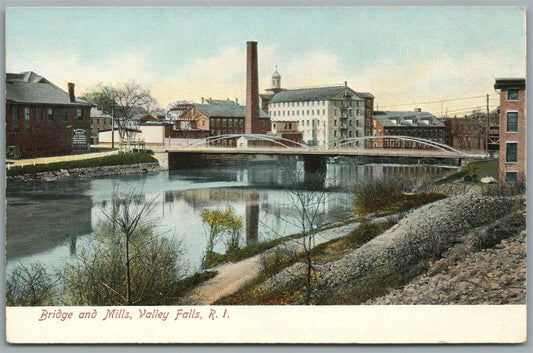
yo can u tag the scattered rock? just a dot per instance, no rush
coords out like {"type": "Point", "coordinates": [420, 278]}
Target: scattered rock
{"type": "Point", "coordinates": [90, 172]}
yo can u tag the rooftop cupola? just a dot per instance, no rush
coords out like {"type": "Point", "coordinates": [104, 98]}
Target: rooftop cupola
{"type": "Point", "coordinates": [276, 79]}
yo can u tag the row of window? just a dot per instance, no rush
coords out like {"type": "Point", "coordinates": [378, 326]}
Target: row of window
{"type": "Point", "coordinates": [297, 112]}
{"type": "Point", "coordinates": [104, 121]}
{"type": "Point", "coordinates": [416, 133]}
{"type": "Point", "coordinates": [298, 104]}
{"type": "Point", "coordinates": [350, 133]}
{"type": "Point", "coordinates": [230, 122]}
{"type": "Point", "coordinates": [399, 143]}
{"type": "Point", "coordinates": [40, 113]}
{"type": "Point", "coordinates": [511, 148]}
{"type": "Point", "coordinates": [286, 126]}
{"type": "Point", "coordinates": [217, 132]}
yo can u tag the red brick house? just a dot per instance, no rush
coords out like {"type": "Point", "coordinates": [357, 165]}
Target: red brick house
{"type": "Point", "coordinates": [512, 156]}
{"type": "Point", "coordinates": [418, 124]}
{"type": "Point", "coordinates": [464, 134]}
{"type": "Point", "coordinates": [218, 119]}
{"type": "Point", "coordinates": [42, 119]}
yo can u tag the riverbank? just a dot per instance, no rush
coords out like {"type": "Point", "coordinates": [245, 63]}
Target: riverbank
{"type": "Point", "coordinates": [81, 166]}
{"type": "Point", "coordinates": [85, 172]}
{"type": "Point", "coordinates": [465, 249]}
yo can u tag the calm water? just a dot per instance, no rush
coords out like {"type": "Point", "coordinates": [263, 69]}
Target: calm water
{"type": "Point", "coordinates": [50, 222]}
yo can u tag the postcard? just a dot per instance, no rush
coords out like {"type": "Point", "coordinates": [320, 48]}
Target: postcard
{"type": "Point", "coordinates": [343, 175]}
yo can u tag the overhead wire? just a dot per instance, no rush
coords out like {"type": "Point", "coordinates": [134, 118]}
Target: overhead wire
{"type": "Point", "coordinates": [438, 101]}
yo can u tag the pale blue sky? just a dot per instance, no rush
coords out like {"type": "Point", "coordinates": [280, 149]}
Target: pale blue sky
{"type": "Point", "coordinates": [401, 55]}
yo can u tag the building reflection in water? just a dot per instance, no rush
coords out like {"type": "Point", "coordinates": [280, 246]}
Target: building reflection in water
{"type": "Point", "coordinates": [257, 182]}
{"type": "Point", "coordinates": [42, 217]}
{"type": "Point", "coordinates": [252, 217]}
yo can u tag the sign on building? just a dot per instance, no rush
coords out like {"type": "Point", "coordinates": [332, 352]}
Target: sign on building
{"type": "Point", "coordinates": [79, 139]}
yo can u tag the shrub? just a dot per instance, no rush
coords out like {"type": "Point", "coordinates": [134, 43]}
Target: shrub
{"type": "Point", "coordinates": [384, 196]}
{"type": "Point", "coordinates": [364, 232]}
{"type": "Point", "coordinates": [503, 189]}
{"type": "Point", "coordinates": [375, 196]}
{"type": "Point", "coordinates": [277, 260]}
{"type": "Point", "coordinates": [503, 229]}
{"type": "Point", "coordinates": [98, 276]}
{"type": "Point", "coordinates": [219, 223]}
{"type": "Point", "coordinates": [31, 286]}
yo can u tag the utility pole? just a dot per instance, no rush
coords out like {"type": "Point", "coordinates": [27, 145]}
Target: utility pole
{"type": "Point", "coordinates": [488, 124]}
{"type": "Point", "coordinates": [113, 124]}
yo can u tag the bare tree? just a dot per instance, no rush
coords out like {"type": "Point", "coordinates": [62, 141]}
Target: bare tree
{"type": "Point", "coordinates": [307, 195]}
{"type": "Point", "coordinates": [30, 286]}
{"type": "Point", "coordinates": [121, 100]}
{"type": "Point", "coordinates": [128, 214]}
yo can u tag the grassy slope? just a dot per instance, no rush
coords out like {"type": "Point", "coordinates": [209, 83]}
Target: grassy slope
{"type": "Point", "coordinates": [118, 159]}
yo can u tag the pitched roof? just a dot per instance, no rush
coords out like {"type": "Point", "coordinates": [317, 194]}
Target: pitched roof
{"type": "Point", "coordinates": [306, 94]}
{"type": "Point", "coordinates": [365, 94]}
{"type": "Point", "coordinates": [313, 94]}
{"type": "Point", "coordinates": [28, 87]}
{"type": "Point", "coordinates": [407, 118]}
{"type": "Point", "coordinates": [225, 110]}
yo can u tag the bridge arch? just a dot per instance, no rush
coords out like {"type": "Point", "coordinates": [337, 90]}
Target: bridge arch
{"type": "Point", "coordinates": [283, 142]}
{"type": "Point", "coordinates": [430, 143]}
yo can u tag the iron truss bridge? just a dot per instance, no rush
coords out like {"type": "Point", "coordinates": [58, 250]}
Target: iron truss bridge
{"type": "Point", "coordinates": [272, 145]}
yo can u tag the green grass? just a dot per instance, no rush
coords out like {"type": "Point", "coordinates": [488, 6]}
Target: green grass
{"type": "Point", "coordinates": [278, 260]}
{"type": "Point", "coordinates": [383, 197]}
{"type": "Point", "coordinates": [336, 248]}
{"type": "Point", "coordinates": [253, 249]}
{"type": "Point", "coordinates": [116, 159]}
{"type": "Point", "coordinates": [191, 282]}
{"type": "Point", "coordinates": [101, 149]}
{"type": "Point", "coordinates": [480, 169]}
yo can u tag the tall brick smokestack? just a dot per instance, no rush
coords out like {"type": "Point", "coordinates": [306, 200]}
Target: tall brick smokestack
{"type": "Point", "coordinates": [71, 95]}
{"type": "Point", "coordinates": [251, 117]}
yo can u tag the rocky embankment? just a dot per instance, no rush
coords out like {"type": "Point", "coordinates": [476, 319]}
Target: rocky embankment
{"type": "Point", "coordinates": [89, 172]}
{"type": "Point", "coordinates": [466, 249]}
{"type": "Point", "coordinates": [490, 276]}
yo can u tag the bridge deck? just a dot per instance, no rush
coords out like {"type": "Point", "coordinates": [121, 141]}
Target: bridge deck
{"type": "Point", "coordinates": [321, 152]}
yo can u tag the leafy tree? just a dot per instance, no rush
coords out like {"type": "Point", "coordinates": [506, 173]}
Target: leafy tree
{"type": "Point", "coordinates": [220, 223]}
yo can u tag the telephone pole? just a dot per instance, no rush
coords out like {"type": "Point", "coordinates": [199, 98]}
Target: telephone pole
{"type": "Point", "coordinates": [488, 124]}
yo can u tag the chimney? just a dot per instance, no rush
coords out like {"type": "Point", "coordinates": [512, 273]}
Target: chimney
{"type": "Point", "coordinates": [71, 95]}
{"type": "Point", "coordinates": [345, 83]}
{"type": "Point", "coordinates": [202, 100]}
{"type": "Point", "coordinates": [418, 110]}
{"type": "Point", "coordinates": [236, 101]}
{"type": "Point", "coordinates": [251, 116]}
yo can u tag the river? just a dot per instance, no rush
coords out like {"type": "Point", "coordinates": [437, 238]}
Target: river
{"type": "Point", "coordinates": [50, 222]}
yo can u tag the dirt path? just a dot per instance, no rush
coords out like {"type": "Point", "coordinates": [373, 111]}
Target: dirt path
{"type": "Point", "coordinates": [232, 276]}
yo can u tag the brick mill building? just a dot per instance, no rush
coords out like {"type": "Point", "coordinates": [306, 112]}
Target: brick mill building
{"type": "Point", "coordinates": [217, 119]}
{"type": "Point", "coordinates": [387, 124]}
{"type": "Point", "coordinates": [512, 157]}
{"type": "Point", "coordinates": [42, 119]}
